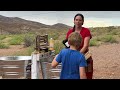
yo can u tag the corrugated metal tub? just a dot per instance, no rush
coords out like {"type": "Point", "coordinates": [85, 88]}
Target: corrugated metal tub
{"type": "Point", "coordinates": [13, 67]}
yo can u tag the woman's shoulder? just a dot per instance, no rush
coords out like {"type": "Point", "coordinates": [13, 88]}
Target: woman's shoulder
{"type": "Point", "coordinates": [70, 29]}
{"type": "Point", "coordinates": [85, 28]}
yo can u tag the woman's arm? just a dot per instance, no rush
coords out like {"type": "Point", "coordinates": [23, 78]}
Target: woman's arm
{"type": "Point", "coordinates": [82, 73]}
{"type": "Point", "coordinates": [54, 62]}
{"type": "Point", "coordinates": [86, 45]}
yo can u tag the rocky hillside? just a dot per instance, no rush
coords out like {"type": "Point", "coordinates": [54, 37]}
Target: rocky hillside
{"type": "Point", "coordinates": [18, 25]}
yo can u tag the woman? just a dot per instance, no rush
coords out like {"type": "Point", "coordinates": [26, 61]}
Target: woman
{"type": "Point", "coordinates": [86, 36]}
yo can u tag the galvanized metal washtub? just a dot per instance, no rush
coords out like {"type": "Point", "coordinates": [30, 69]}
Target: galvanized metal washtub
{"type": "Point", "coordinates": [14, 66]}
{"type": "Point", "coordinates": [15, 58]}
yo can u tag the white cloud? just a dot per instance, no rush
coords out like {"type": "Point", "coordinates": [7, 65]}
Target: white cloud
{"type": "Point", "coordinates": [42, 19]}
{"type": "Point", "coordinates": [97, 23]}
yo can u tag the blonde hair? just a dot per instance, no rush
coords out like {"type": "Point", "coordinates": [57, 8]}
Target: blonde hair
{"type": "Point", "coordinates": [75, 39]}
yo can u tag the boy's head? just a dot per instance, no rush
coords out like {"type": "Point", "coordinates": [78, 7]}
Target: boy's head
{"type": "Point", "coordinates": [75, 39]}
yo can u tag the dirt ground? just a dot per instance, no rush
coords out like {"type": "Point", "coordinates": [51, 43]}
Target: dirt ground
{"type": "Point", "coordinates": [106, 60]}
{"type": "Point", "coordinates": [12, 50]}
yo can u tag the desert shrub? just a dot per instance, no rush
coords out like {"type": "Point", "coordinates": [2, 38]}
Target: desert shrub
{"type": "Point", "coordinates": [58, 46]}
{"type": "Point", "coordinates": [3, 46]}
{"type": "Point", "coordinates": [29, 40]}
{"type": "Point", "coordinates": [2, 37]}
{"type": "Point", "coordinates": [93, 42]}
{"type": "Point", "coordinates": [109, 38]}
{"type": "Point", "coordinates": [119, 35]}
{"type": "Point", "coordinates": [114, 33]}
{"type": "Point", "coordinates": [98, 38]}
{"type": "Point", "coordinates": [55, 36]}
{"type": "Point", "coordinates": [16, 40]}
{"type": "Point", "coordinates": [30, 50]}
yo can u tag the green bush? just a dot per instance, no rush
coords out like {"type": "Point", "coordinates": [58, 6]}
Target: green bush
{"type": "Point", "coordinates": [16, 40]}
{"type": "Point", "coordinates": [2, 37]}
{"type": "Point", "coordinates": [114, 33]}
{"type": "Point", "coordinates": [55, 36]}
{"type": "Point", "coordinates": [30, 50]}
{"type": "Point", "coordinates": [3, 46]}
{"type": "Point", "coordinates": [93, 42]}
{"type": "Point", "coordinates": [29, 40]}
{"type": "Point", "coordinates": [58, 46]}
{"type": "Point", "coordinates": [109, 38]}
{"type": "Point", "coordinates": [98, 38]}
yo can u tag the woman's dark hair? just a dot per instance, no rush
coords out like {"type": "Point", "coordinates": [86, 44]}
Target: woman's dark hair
{"type": "Point", "coordinates": [64, 41]}
{"type": "Point", "coordinates": [79, 14]}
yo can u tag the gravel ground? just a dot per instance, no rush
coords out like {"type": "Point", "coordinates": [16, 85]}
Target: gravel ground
{"type": "Point", "coordinates": [106, 61]}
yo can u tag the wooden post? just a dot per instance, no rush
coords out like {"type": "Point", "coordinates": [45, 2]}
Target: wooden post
{"type": "Point", "coordinates": [35, 74]}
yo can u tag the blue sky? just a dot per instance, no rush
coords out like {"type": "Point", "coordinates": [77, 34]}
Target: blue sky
{"type": "Point", "coordinates": [92, 18]}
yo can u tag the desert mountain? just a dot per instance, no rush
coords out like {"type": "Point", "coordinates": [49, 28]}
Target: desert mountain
{"type": "Point", "coordinates": [18, 25]}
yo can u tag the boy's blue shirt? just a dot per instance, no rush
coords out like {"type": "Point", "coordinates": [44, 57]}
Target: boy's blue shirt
{"type": "Point", "coordinates": [71, 61]}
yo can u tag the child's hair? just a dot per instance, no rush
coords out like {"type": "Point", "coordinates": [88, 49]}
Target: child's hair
{"type": "Point", "coordinates": [75, 39]}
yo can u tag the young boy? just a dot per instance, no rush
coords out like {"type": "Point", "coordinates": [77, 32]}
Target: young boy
{"type": "Point", "coordinates": [73, 62]}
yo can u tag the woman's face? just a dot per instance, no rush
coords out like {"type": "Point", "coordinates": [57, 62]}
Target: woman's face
{"type": "Point", "coordinates": [78, 21]}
